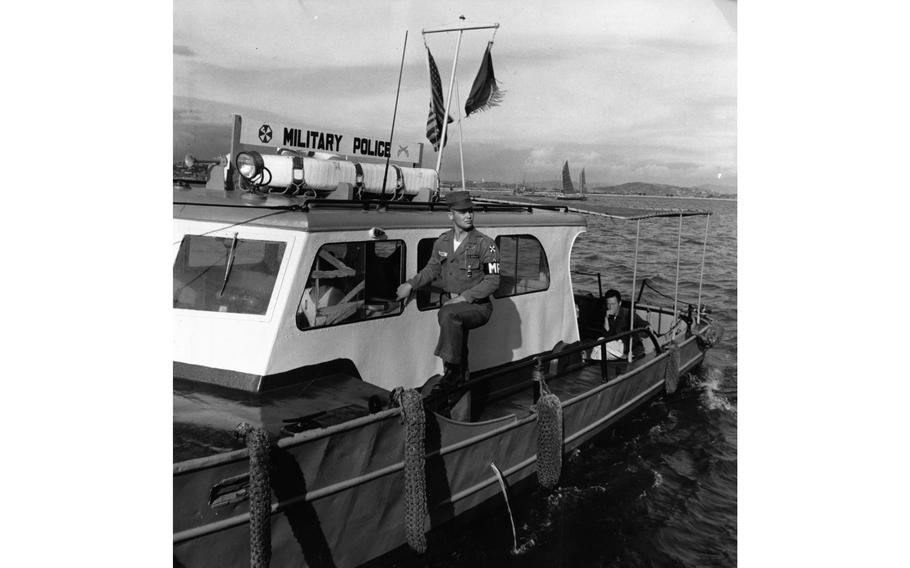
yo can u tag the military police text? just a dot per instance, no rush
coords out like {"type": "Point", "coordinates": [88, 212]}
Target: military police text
{"type": "Point", "coordinates": [316, 140]}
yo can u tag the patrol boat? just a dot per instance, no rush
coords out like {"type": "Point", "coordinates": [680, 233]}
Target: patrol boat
{"type": "Point", "coordinates": [302, 432]}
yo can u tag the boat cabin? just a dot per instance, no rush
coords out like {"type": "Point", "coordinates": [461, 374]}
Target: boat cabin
{"type": "Point", "coordinates": [273, 292]}
{"type": "Point", "coordinates": [265, 290]}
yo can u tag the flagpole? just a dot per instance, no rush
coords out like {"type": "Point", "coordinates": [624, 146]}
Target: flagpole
{"type": "Point", "coordinates": [445, 118]}
{"type": "Point", "coordinates": [394, 114]}
{"type": "Point", "coordinates": [445, 115]}
{"type": "Point", "coordinates": [460, 137]}
{"type": "Point", "coordinates": [460, 29]}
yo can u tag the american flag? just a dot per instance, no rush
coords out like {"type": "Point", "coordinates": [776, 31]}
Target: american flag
{"type": "Point", "coordinates": [437, 106]}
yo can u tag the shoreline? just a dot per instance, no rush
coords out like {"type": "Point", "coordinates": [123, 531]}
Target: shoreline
{"type": "Point", "coordinates": [665, 196]}
{"type": "Point", "coordinates": [616, 195]}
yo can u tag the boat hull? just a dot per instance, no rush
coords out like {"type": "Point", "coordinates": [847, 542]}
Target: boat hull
{"type": "Point", "coordinates": [338, 493]}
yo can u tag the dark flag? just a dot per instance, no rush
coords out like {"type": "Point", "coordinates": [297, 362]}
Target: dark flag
{"type": "Point", "coordinates": [485, 92]}
{"type": "Point", "coordinates": [437, 107]}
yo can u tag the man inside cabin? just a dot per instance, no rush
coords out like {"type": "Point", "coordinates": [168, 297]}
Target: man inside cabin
{"type": "Point", "coordinates": [468, 262]}
{"type": "Point", "coordinates": [616, 320]}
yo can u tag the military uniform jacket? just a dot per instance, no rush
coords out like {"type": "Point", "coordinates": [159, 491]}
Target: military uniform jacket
{"type": "Point", "coordinates": [472, 271]}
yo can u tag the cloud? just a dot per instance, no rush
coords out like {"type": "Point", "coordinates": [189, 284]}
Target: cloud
{"type": "Point", "coordinates": [623, 88]}
{"type": "Point", "coordinates": [183, 50]}
{"type": "Point", "coordinates": [543, 159]}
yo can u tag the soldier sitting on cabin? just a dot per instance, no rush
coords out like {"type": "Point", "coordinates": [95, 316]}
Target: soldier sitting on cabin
{"type": "Point", "coordinates": [468, 262]}
{"type": "Point", "coordinates": [616, 320]}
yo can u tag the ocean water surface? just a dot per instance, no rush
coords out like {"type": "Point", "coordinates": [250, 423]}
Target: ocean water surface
{"type": "Point", "coordinates": [659, 488]}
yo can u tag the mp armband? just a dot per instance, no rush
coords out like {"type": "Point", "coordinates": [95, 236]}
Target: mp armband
{"type": "Point", "coordinates": [491, 268]}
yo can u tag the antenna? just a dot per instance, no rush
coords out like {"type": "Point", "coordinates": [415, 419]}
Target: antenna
{"type": "Point", "coordinates": [394, 113]}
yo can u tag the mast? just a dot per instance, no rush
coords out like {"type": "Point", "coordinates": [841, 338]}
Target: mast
{"type": "Point", "coordinates": [385, 175]}
{"type": "Point", "coordinates": [460, 137]}
{"type": "Point", "coordinates": [583, 181]}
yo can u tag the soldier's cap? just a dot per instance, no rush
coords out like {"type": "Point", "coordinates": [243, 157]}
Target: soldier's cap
{"type": "Point", "coordinates": [459, 200]}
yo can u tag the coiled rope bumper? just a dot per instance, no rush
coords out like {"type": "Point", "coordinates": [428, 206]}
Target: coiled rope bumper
{"type": "Point", "coordinates": [549, 433]}
{"type": "Point", "coordinates": [711, 335]}
{"type": "Point", "coordinates": [415, 478]}
{"type": "Point", "coordinates": [260, 494]}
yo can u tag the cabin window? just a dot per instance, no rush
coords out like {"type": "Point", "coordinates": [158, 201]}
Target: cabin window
{"type": "Point", "coordinates": [223, 274]}
{"type": "Point", "coordinates": [523, 266]}
{"type": "Point", "coordinates": [428, 297]}
{"type": "Point", "coordinates": [351, 282]}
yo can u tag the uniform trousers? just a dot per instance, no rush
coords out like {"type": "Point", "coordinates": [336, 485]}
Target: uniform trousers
{"type": "Point", "coordinates": [454, 322]}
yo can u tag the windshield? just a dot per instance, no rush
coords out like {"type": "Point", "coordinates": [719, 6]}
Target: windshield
{"type": "Point", "coordinates": [216, 274]}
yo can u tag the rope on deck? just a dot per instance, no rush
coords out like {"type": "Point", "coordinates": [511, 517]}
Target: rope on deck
{"type": "Point", "coordinates": [415, 479]}
{"type": "Point", "coordinates": [260, 494]}
{"type": "Point", "coordinates": [549, 433]}
{"type": "Point", "coordinates": [671, 370]}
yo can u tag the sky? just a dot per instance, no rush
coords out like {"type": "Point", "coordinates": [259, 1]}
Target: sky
{"type": "Point", "coordinates": [631, 90]}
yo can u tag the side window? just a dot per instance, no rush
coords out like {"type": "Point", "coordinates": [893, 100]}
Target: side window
{"type": "Point", "coordinates": [523, 266]}
{"type": "Point", "coordinates": [351, 282]}
{"type": "Point", "coordinates": [428, 297]}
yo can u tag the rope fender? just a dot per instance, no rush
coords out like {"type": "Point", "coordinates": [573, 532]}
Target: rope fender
{"type": "Point", "coordinates": [415, 480]}
{"type": "Point", "coordinates": [549, 433]}
{"type": "Point", "coordinates": [711, 336]}
{"type": "Point", "coordinates": [671, 370]}
{"type": "Point", "coordinates": [260, 494]}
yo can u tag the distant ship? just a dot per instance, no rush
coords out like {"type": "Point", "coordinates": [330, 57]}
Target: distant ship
{"type": "Point", "coordinates": [568, 190]}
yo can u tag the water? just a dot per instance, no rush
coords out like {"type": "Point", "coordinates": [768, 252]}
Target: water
{"type": "Point", "coordinates": [659, 489]}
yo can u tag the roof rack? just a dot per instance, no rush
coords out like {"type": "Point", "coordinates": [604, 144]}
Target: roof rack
{"type": "Point", "coordinates": [386, 205]}
{"type": "Point", "coordinates": [278, 201]}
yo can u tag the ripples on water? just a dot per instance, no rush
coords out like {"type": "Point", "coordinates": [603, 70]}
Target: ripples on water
{"type": "Point", "coordinates": [658, 489]}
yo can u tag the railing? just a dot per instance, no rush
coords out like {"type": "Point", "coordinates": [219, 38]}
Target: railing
{"type": "Point", "coordinates": [645, 283]}
{"type": "Point", "coordinates": [381, 204]}
{"type": "Point", "coordinates": [541, 360]}
{"type": "Point", "coordinates": [600, 288]}
{"type": "Point", "coordinates": [370, 204]}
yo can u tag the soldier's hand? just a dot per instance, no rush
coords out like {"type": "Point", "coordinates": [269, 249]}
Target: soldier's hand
{"type": "Point", "coordinates": [403, 291]}
{"type": "Point", "coordinates": [456, 300]}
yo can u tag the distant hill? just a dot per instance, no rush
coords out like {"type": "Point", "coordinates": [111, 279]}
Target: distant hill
{"type": "Point", "coordinates": [660, 189]}
{"type": "Point", "coordinates": [717, 188]}
{"type": "Point", "coordinates": [643, 188]}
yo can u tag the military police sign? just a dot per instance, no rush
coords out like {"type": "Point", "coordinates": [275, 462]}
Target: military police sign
{"type": "Point", "coordinates": [311, 138]}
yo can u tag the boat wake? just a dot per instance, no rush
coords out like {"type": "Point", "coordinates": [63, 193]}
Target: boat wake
{"type": "Point", "coordinates": [658, 479]}
{"type": "Point", "coordinates": [566, 496]}
{"type": "Point", "coordinates": [559, 502]}
{"type": "Point", "coordinates": [712, 391]}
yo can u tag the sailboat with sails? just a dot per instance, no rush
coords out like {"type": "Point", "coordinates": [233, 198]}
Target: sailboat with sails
{"type": "Point", "coordinates": [568, 190]}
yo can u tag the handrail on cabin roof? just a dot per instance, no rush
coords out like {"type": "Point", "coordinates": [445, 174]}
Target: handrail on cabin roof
{"type": "Point", "coordinates": [367, 204]}
{"type": "Point", "coordinates": [375, 205]}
